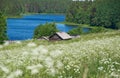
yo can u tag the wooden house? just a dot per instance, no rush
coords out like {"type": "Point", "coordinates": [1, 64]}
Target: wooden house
{"type": "Point", "coordinates": [60, 36]}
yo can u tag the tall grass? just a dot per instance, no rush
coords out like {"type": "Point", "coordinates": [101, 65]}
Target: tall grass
{"type": "Point", "coordinates": [91, 56]}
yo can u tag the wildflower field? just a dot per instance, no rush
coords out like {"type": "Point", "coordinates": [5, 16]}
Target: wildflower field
{"type": "Point", "coordinates": [90, 56]}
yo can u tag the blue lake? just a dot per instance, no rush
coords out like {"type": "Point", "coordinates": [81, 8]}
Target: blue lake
{"type": "Point", "coordinates": [23, 28]}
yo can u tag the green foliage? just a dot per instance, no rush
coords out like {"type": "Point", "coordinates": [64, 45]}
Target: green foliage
{"type": "Point", "coordinates": [82, 17]}
{"type": "Point", "coordinates": [80, 30]}
{"type": "Point", "coordinates": [118, 25]}
{"type": "Point", "coordinates": [45, 30]}
{"type": "Point", "coordinates": [71, 13]}
{"type": "Point", "coordinates": [76, 31]}
{"type": "Point", "coordinates": [97, 30]}
{"type": "Point", "coordinates": [17, 7]}
{"type": "Point", "coordinates": [79, 12]}
{"type": "Point", "coordinates": [2, 28]}
{"type": "Point", "coordinates": [105, 13]}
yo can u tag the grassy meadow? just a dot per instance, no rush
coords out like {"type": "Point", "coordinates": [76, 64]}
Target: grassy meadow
{"type": "Point", "coordinates": [90, 56]}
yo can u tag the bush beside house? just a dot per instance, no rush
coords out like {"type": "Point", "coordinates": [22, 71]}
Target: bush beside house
{"type": "Point", "coordinates": [45, 30]}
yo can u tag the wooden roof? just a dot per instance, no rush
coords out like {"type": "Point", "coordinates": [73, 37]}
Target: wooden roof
{"type": "Point", "coordinates": [62, 35]}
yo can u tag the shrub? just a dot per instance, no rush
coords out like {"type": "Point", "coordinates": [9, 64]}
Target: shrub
{"type": "Point", "coordinates": [76, 31]}
{"type": "Point", "coordinates": [45, 30]}
{"type": "Point", "coordinates": [80, 30]}
{"type": "Point", "coordinates": [3, 35]}
{"type": "Point", "coordinates": [97, 30]}
{"type": "Point", "coordinates": [118, 25]}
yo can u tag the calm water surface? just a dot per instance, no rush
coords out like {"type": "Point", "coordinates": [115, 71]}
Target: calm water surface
{"type": "Point", "coordinates": [23, 28]}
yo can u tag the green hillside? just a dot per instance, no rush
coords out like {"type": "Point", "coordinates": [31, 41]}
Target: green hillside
{"type": "Point", "coordinates": [90, 56]}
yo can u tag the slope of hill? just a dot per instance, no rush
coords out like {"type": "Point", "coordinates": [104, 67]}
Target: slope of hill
{"type": "Point", "coordinates": [90, 56]}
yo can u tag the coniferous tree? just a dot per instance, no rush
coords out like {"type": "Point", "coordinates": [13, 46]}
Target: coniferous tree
{"type": "Point", "coordinates": [106, 13]}
{"type": "Point", "coordinates": [2, 28]}
{"type": "Point", "coordinates": [79, 12]}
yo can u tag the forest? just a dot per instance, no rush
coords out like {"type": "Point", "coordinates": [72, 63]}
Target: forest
{"type": "Point", "coordinates": [98, 13]}
{"type": "Point", "coordinates": [105, 13]}
{"type": "Point", "coordinates": [17, 7]}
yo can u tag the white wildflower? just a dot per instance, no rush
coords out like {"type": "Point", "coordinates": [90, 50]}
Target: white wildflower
{"type": "Point", "coordinates": [118, 70]}
{"type": "Point", "coordinates": [110, 59]}
{"type": "Point", "coordinates": [39, 66]}
{"type": "Point", "coordinates": [30, 67]}
{"type": "Point", "coordinates": [35, 52]}
{"type": "Point", "coordinates": [113, 74]}
{"type": "Point", "coordinates": [6, 43]}
{"type": "Point", "coordinates": [8, 61]}
{"type": "Point", "coordinates": [15, 74]}
{"type": "Point", "coordinates": [18, 42]}
{"type": "Point", "coordinates": [25, 53]}
{"type": "Point", "coordinates": [106, 62]}
{"type": "Point", "coordinates": [42, 57]}
{"type": "Point", "coordinates": [68, 67]}
{"type": "Point", "coordinates": [112, 69]}
{"type": "Point", "coordinates": [44, 51]}
{"type": "Point", "coordinates": [18, 73]}
{"type": "Point", "coordinates": [4, 69]}
{"type": "Point", "coordinates": [1, 46]}
{"type": "Point", "coordinates": [56, 53]}
{"type": "Point", "coordinates": [41, 47]}
{"type": "Point", "coordinates": [34, 67]}
{"type": "Point", "coordinates": [59, 64]}
{"type": "Point", "coordinates": [49, 62]}
{"type": "Point", "coordinates": [40, 50]}
{"type": "Point", "coordinates": [70, 77]}
{"type": "Point", "coordinates": [60, 76]}
{"type": "Point", "coordinates": [77, 70]}
{"type": "Point", "coordinates": [31, 44]}
{"type": "Point", "coordinates": [116, 63]}
{"type": "Point", "coordinates": [34, 71]}
{"type": "Point", "coordinates": [100, 68]}
{"type": "Point", "coordinates": [52, 71]}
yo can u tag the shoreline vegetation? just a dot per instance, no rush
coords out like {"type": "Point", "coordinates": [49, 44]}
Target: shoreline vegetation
{"type": "Point", "coordinates": [66, 22]}
{"type": "Point", "coordinates": [82, 38]}
{"type": "Point", "coordinates": [78, 30]}
{"type": "Point", "coordinates": [21, 15]}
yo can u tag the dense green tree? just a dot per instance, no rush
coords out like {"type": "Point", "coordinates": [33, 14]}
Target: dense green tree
{"type": "Point", "coordinates": [2, 28]}
{"type": "Point", "coordinates": [72, 11]}
{"type": "Point", "coordinates": [80, 12]}
{"type": "Point", "coordinates": [17, 7]}
{"type": "Point", "coordinates": [106, 13]}
{"type": "Point", "coordinates": [118, 25]}
{"type": "Point", "coordinates": [45, 30]}
{"type": "Point", "coordinates": [76, 31]}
